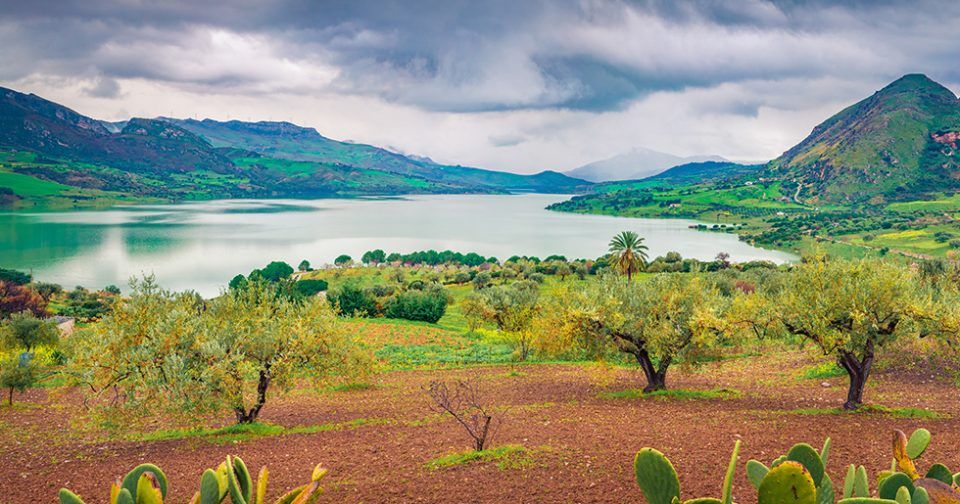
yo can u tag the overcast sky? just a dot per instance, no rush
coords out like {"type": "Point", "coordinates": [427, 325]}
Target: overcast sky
{"type": "Point", "coordinates": [519, 85]}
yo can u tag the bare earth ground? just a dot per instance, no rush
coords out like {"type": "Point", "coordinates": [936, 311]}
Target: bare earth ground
{"type": "Point", "coordinates": [582, 443]}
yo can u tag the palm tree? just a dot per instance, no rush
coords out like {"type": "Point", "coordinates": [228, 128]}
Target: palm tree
{"type": "Point", "coordinates": [629, 253]}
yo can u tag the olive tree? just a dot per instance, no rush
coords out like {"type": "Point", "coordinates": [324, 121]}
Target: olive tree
{"type": "Point", "coordinates": [658, 320]}
{"type": "Point", "coordinates": [848, 309]}
{"type": "Point", "coordinates": [511, 308]}
{"type": "Point", "coordinates": [159, 348]}
{"type": "Point", "coordinates": [19, 337]}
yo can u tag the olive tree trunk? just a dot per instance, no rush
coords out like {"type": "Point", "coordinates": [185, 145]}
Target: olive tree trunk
{"type": "Point", "coordinates": [858, 370]}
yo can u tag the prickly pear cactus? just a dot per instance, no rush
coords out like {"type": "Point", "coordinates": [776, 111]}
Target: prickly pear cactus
{"type": "Point", "coordinates": [788, 483]}
{"type": "Point", "coordinates": [656, 476]}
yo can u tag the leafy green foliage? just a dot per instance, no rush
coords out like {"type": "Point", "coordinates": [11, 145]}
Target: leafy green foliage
{"type": "Point", "coordinates": [15, 277]}
{"type": "Point", "coordinates": [177, 351]}
{"type": "Point", "coordinates": [426, 305]}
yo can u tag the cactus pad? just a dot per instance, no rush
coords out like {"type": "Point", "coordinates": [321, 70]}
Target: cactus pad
{"type": "Point", "coordinates": [788, 483]}
{"type": "Point", "coordinates": [656, 476]}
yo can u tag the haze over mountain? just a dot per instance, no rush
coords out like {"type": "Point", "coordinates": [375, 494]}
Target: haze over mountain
{"type": "Point", "coordinates": [900, 142]}
{"type": "Point", "coordinates": [638, 163]}
{"type": "Point", "coordinates": [59, 148]}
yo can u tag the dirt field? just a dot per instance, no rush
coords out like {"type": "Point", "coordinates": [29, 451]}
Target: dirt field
{"type": "Point", "coordinates": [580, 440]}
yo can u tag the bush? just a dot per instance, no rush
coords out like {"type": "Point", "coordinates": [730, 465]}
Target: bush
{"type": "Point", "coordinates": [310, 287]}
{"type": "Point", "coordinates": [428, 305]}
{"type": "Point", "coordinates": [14, 276]}
{"type": "Point", "coordinates": [351, 300]}
{"type": "Point", "coordinates": [276, 271]}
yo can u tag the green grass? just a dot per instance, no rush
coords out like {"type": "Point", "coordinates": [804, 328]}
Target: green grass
{"type": "Point", "coordinates": [25, 185]}
{"type": "Point", "coordinates": [244, 432]}
{"type": "Point", "coordinates": [941, 204]}
{"type": "Point", "coordinates": [684, 394]}
{"type": "Point", "coordinates": [351, 387]}
{"type": "Point", "coordinates": [510, 456]}
{"type": "Point", "coordinates": [870, 409]}
{"type": "Point", "coordinates": [822, 370]}
{"type": "Point", "coordinates": [412, 356]}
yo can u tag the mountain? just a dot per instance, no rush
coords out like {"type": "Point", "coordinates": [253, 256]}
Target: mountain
{"type": "Point", "coordinates": [32, 123]}
{"type": "Point", "coordinates": [283, 140]}
{"type": "Point", "coordinates": [900, 143]}
{"type": "Point", "coordinates": [637, 164]}
{"type": "Point", "coordinates": [50, 154]}
{"type": "Point", "coordinates": [704, 172]}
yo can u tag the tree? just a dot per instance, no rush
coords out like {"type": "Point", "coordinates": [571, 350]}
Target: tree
{"type": "Point", "coordinates": [373, 257]}
{"type": "Point", "coordinates": [629, 253]}
{"type": "Point", "coordinates": [482, 280]}
{"type": "Point", "coordinates": [47, 290]}
{"type": "Point", "coordinates": [16, 298]}
{"type": "Point", "coordinates": [342, 260]}
{"type": "Point", "coordinates": [657, 321]}
{"type": "Point", "coordinates": [427, 305]}
{"type": "Point", "coordinates": [564, 270]}
{"type": "Point", "coordinates": [304, 266]}
{"type": "Point", "coordinates": [112, 289]}
{"type": "Point", "coordinates": [849, 310]}
{"type": "Point", "coordinates": [238, 282]}
{"type": "Point", "coordinates": [468, 406]}
{"type": "Point", "coordinates": [15, 277]}
{"type": "Point", "coordinates": [159, 349]}
{"type": "Point", "coordinates": [17, 373]}
{"type": "Point", "coordinates": [310, 287]}
{"type": "Point", "coordinates": [351, 300]}
{"type": "Point", "coordinates": [20, 336]}
{"type": "Point", "coordinates": [27, 332]}
{"type": "Point", "coordinates": [276, 271]}
{"type": "Point", "coordinates": [512, 308]}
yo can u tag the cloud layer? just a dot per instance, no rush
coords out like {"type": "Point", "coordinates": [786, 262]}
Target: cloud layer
{"type": "Point", "coordinates": [513, 85]}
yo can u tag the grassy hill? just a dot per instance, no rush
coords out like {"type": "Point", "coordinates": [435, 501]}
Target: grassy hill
{"type": "Point", "coordinates": [899, 144]}
{"type": "Point", "coordinates": [283, 140]}
{"type": "Point", "coordinates": [51, 156]}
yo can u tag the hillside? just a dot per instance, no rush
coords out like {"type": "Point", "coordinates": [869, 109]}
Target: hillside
{"type": "Point", "coordinates": [898, 144]}
{"type": "Point", "coordinates": [285, 140]}
{"type": "Point", "coordinates": [636, 164]}
{"type": "Point", "coordinates": [52, 156]}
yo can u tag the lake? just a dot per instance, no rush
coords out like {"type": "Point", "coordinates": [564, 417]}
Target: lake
{"type": "Point", "coordinates": [201, 246]}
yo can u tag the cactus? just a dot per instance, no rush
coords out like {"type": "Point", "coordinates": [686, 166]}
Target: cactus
{"type": "Point", "coordinates": [656, 476]}
{"type": "Point", "coordinates": [813, 462]}
{"type": "Point", "coordinates": [918, 443]}
{"type": "Point", "coordinates": [147, 484]}
{"type": "Point", "coordinates": [788, 483]}
{"type": "Point", "coordinates": [756, 472]}
{"type": "Point", "coordinates": [659, 483]}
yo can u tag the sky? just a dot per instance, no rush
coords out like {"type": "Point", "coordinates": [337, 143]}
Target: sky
{"type": "Point", "coordinates": [516, 85]}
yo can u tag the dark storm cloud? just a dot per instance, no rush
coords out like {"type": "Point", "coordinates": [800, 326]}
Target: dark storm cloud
{"type": "Point", "coordinates": [469, 56]}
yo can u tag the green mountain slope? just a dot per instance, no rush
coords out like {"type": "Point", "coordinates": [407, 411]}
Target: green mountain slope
{"type": "Point", "coordinates": [51, 156]}
{"type": "Point", "coordinates": [284, 140]}
{"type": "Point", "coordinates": [898, 144]}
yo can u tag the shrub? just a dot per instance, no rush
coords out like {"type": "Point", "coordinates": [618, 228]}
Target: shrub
{"type": "Point", "coordinates": [351, 300]}
{"type": "Point", "coordinates": [466, 403]}
{"type": "Point", "coordinates": [310, 287]}
{"type": "Point", "coordinates": [427, 305]}
{"type": "Point", "coordinates": [15, 277]}
{"type": "Point", "coordinates": [17, 298]}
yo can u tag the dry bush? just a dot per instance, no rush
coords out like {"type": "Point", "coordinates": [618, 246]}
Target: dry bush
{"type": "Point", "coordinates": [465, 402]}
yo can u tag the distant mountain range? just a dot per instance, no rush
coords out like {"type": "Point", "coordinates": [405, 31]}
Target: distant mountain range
{"type": "Point", "coordinates": [57, 147]}
{"type": "Point", "coordinates": [900, 143]}
{"type": "Point", "coordinates": [638, 163]}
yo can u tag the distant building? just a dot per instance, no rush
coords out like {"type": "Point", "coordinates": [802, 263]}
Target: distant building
{"type": "Point", "coordinates": [64, 324]}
